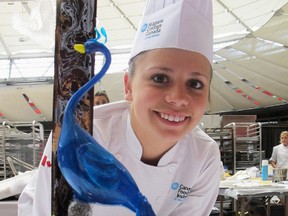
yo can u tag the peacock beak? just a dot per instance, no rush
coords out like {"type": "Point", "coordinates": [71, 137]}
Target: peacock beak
{"type": "Point", "coordinates": [80, 48]}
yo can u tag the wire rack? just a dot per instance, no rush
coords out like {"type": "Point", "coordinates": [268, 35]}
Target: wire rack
{"type": "Point", "coordinates": [21, 147]}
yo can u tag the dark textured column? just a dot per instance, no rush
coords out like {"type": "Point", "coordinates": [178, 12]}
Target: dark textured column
{"type": "Point", "coordinates": [75, 23]}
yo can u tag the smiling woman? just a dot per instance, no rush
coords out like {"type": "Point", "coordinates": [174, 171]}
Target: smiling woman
{"type": "Point", "coordinates": [172, 84]}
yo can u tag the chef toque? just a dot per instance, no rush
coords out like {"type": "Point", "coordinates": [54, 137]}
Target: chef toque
{"type": "Point", "coordinates": [183, 24]}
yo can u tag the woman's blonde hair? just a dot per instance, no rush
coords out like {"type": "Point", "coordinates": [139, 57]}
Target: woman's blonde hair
{"type": "Point", "coordinates": [283, 133]}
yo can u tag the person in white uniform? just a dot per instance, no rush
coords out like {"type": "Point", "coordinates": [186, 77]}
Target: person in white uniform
{"type": "Point", "coordinates": [154, 132]}
{"type": "Point", "coordinates": [279, 157]}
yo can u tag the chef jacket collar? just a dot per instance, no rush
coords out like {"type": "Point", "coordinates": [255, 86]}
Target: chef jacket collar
{"type": "Point", "coordinates": [135, 146]}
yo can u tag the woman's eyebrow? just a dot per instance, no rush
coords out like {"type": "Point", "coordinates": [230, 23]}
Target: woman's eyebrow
{"type": "Point", "coordinates": [196, 73]}
{"type": "Point", "coordinates": [169, 70]}
{"type": "Point", "coordinates": [164, 69]}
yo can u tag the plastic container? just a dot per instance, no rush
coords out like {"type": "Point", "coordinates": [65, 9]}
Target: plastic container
{"type": "Point", "coordinates": [264, 170]}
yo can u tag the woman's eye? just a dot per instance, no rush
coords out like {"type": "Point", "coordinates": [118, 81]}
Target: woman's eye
{"type": "Point", "coordinates": [160, 78]}
{"type": "Point", "coordinates": [195, 84]}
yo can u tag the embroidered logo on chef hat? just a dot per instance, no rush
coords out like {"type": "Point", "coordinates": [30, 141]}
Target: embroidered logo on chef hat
{"type": "Point", "coordinates": [144, 27]}
{"type": "Point", "coordinates": [152, 29]}
{"type": "Point", "coordinates": [183, 24]}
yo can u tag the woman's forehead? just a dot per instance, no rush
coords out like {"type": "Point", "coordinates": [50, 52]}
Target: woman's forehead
{"type": "Point", "coordinates": [99, 97]}
{"type": "Point", "coordinates": [174, 53]}
{"type": "Point", "coordinates": [172, 57]}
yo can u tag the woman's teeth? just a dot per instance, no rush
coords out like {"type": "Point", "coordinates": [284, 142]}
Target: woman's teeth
{"type": "Point", "coordinates": [172, 118]}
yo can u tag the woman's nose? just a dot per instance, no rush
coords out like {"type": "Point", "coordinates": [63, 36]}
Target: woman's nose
{"type": "Point", "coordinates": [177, 96]}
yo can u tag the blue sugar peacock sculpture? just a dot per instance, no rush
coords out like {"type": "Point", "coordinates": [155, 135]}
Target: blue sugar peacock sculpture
{"type": "Point", "coordinates": [93, 173]}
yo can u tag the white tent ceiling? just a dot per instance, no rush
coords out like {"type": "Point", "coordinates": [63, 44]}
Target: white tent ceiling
{"type": "Point", "coordinates": [250, 51]}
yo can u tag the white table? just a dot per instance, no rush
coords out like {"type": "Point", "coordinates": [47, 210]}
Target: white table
{"type": "Point", "coordinates": [8, 208]}
{"type": "Point", "coordinates": [242, 193]}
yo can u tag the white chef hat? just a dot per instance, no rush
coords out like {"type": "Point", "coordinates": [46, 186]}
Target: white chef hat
{"type": "Point", "coordinates": [183, 24]}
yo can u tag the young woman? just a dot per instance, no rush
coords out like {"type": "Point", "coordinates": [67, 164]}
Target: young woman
{"type": "Point", "coordinates": [154, 132]}
{"type": "Point", "coordinates": [175, 164]}
{"type": "Point", "coordinates": [279, 158]}
{"type": "Point", "coordinates": [101, 97]}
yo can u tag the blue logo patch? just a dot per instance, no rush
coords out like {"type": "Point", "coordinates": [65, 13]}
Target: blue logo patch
{"type": "Point", "coordinates": [175, 186]}
{"type": "Point", "coordinates": [182, 191]}
{"type": "Point", "coordinates": [144, 27]}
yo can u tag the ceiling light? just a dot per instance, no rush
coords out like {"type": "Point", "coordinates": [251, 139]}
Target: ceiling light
{"type": "Point", "coordinates": [22, 39]}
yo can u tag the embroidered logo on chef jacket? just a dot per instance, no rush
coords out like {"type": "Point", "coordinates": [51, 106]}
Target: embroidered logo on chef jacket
{"type": "Point", "coordinates": [182, 191]}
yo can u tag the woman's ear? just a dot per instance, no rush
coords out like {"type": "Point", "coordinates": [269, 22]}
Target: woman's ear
{"type": "Point", "coordinates": [128, 89]}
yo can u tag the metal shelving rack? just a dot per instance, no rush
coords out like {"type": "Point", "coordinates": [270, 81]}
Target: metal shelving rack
{"type": "Point", "coordinates": [224, 138]}
{"type": "Point", "coordinates": [247, 145]}
{"type": "Point", "coordinates": [21, 147]}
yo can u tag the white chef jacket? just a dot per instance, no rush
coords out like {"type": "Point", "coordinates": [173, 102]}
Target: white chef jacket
{"type": "Point", "coordinates": [280, 156]}
{"type": "Point", "coordinates": [185, 181]}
